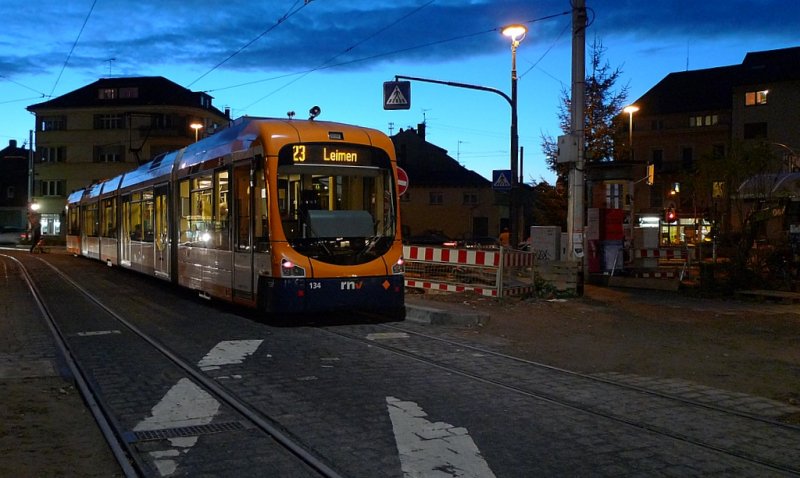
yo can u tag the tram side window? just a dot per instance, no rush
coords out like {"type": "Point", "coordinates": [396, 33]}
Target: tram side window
{"type": "Point", "coordinates": [135, 217]}
{"type": "Point", "coordinates": [185, 212]}
{"type": "Point", "coordinates": [108, 225]}
{"type": "Point", "coordinates": [90, 219]}
{"type": "Point", "coordinates": [221, 237]}
{"type": "Point", "coordinates": [74, 225]}
{"type": "Point", "coordinates": [147, 215]}
{"type": "Point", "coordinates": [196, 211]}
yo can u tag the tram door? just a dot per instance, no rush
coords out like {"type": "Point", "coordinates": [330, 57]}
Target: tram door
{"type": "Point", "coordinates": [124, 232]}
{"type": "Point", "coordinates": [243, 231]}
{"type": "Point", "coordinates": [251, 228]}
{"type": "Point", "coordinates": [161, 232]}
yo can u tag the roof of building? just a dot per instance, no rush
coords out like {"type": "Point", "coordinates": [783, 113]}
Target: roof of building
{"type": "Point", "coordinates": [712, 88]}
{"type": "Point", "coordinates": [430, 165]}
{"type": "Point", "coordinates": [12, 151]}
{"type": "Point", "coordinates": [151, 90]}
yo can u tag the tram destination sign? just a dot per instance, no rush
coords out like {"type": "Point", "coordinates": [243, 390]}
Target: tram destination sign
{"type": "Point", "coordinates": [327, 153]}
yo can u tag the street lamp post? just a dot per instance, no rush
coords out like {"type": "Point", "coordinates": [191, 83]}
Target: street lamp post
{"type": "Point", "coordinates": [196, 127]}
{"type": "Point", "coordinates": [517, 34]}
{"type": "Point", "coordinates": [631, 110]}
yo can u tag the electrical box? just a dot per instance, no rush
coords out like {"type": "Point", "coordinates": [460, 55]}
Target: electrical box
{"type": "Point", "coordinates": [567, 149]}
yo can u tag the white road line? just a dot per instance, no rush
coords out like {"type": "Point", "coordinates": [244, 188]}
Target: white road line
{"type": "Point", "coordinates": [437, 450]}
{"type": "Point", "coordinates": [184, 405]}
{"type": "Point", "coordinates": [228, 352]}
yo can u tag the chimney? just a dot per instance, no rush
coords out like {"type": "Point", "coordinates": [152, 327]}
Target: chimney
{"type": "Point", "coordinates": [228, 112]}
{"type": "Point", "coordinates": [12, 143]}
{"type": "Point", "coordinates": [421, 131]}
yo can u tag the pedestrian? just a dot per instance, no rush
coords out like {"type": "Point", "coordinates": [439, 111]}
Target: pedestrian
{"type": "Point", "coordinates": [505, 238]}
{"type": "Point", "coordinates": [36, 226]}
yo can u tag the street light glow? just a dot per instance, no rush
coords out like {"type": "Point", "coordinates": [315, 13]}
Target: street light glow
{"type": "Point", "coordinates": [515, 32]}
{"type": "Point", "coordinates": [196, 127]}
{"type": "Point", "coordinates": [630, 109]}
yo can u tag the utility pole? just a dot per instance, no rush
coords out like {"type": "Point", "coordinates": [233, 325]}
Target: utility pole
{"type": "Point", "coordinates": [576, 213]}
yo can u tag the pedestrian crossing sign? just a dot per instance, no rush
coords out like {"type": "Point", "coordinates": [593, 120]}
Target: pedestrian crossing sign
{"type": "Point", "coordinates": [397, 95]}
{"type": "Point", "coordinates": [501, 180]}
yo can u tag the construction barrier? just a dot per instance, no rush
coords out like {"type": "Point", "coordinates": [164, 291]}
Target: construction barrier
{"type": "Point", "coordinates": [665, 253]}
{"type": "Point", "coordinates": [496, 273]}
{"type": "Point", "coordinates": [664, 263]}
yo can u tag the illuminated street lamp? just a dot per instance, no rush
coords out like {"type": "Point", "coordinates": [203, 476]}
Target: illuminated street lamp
{"type": "Point", "coordinates": [517, 34]}
{"type": "Point", "coordinates": [630, 110]}
{"type": "Point", "coordinates": [196, 127]}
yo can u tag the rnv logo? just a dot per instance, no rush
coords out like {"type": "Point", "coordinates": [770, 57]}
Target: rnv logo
{"type": "Point", "coordinates": [351, 285]}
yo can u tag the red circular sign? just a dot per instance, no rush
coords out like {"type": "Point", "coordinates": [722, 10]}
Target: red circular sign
{"type": "Point", "coordinates": [402, 181]}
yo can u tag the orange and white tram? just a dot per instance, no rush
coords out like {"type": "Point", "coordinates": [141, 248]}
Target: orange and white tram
{"type": "Point", "coordinates": [291, 216]}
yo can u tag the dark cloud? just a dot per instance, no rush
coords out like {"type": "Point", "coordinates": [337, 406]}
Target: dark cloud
{"type": "Point", "coordinates": [168, 32]}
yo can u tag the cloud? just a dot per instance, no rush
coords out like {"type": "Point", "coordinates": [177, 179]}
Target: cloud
{"type": "Point", "coordinates": [294, 36]}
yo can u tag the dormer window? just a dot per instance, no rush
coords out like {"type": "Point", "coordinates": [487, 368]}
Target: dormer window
{"type": "Point", "coordinates": [107, 93]}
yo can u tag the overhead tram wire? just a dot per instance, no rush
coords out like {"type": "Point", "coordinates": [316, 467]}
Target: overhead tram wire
{"type": "Point", "coordinates": [289, 13]}
{"type": "Point", "coordinates": [24, 86]}
{"type": "Point", "coordinates": [69, 55]}
{"type": "Point", "coordinates": [346, 50]}
{"type": "Point", "coordinates": [380, 55]}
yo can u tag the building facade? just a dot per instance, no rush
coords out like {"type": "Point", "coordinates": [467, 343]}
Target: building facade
{"type": "Point", "coordinates": [14, 185]}
{"type": "Point", "coordinates": [444, 197]}
{"type": "Point", "coordinates": [107, 128]}
{"type": "Point", "coordinates": [700, 130]}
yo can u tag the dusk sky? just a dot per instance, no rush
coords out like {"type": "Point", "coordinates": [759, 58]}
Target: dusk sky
{"type": "Point", "coordinates": [269, 57]}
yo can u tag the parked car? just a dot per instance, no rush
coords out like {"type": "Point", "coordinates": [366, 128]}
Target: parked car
{"type": "Point", "coordinates": [12, 235]}
{"type": "Point", "coordinates": [479, 243]}
{"type": "Point", "coordinates": [431, 238]}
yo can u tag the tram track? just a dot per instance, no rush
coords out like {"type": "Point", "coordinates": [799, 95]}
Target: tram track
{"type": "Point", "coordinates": [467, 360]}
{"type": "Point", "coordinates": [302, 386]}
{"type": "Point", "coordinates": [118, 438]}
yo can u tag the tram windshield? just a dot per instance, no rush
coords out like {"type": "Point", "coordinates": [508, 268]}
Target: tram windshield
{"type": "Point", "coordinates": [337, 213]}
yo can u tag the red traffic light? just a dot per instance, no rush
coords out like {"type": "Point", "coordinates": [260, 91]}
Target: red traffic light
{"type": "Point", "coordinates": [670, 215]}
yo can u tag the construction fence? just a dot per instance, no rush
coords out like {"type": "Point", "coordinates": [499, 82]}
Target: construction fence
{"type": "Point", "coordinates": [497, 273]}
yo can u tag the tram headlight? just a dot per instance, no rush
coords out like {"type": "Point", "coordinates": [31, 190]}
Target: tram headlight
{"type": "Point", "coordinates": [399, 267]}
{"type": "Point", "coordinates": [290, 269]}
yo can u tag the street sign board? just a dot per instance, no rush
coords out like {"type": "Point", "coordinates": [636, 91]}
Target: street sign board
{"type": "Point", "coordinates": [402, 181]}
{"type": "Point", "coordinates": [396, 95]}
{"type": "Point", "coordinates": [501, 180]}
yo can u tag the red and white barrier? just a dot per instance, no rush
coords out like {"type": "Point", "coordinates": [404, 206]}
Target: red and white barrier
{"type": "Point", "coordinates": [470, 258]}
{"type": "Point", "coordinates": [660, 254]}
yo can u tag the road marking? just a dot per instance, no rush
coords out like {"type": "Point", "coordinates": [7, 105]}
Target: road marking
{"type": "Point", "coordinates": [433, 449]}
{"type": "Point", "coordinates": [228, 352]}
{"type": "Point", "coordinates": [184, 405]}
{"type": "Point", "coordinates": [98, 332]}
{"type": "Point", "coordinates": [387, 335]}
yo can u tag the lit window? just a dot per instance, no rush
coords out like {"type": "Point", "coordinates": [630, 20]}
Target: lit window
{"type": "Point", "coordinates": [130, 92]}
{"type": "Point", "coordinates": [107, 93]}
{"type": "Point", "coordinates": [753, 98]}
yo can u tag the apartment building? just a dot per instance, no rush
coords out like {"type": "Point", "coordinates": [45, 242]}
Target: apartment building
{"type": "Point", "coordinates": [689, 120]}
{"type": "Point", "coordinates": [107, 128]}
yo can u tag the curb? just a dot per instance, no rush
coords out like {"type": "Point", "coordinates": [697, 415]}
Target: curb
{"type": "Point", "coordinates": [444, 316]}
